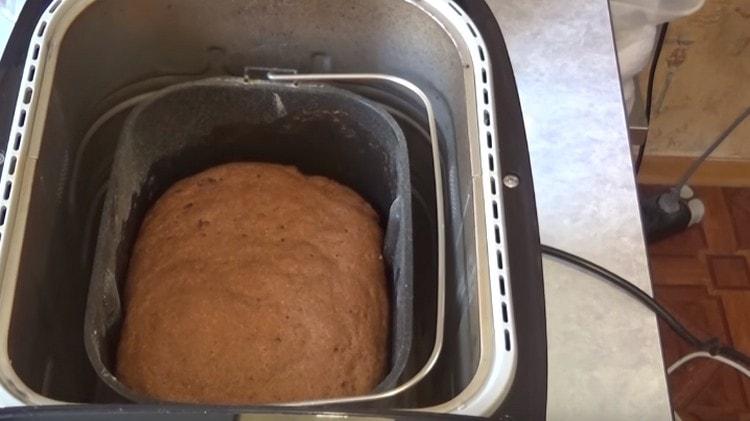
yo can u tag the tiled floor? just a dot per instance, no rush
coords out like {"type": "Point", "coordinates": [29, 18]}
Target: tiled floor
{"type": "Point", "coordinates": [703, 276]}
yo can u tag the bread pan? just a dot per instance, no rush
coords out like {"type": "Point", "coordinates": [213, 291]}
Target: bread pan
{"type": "Point", "coordinates": [189, 127]}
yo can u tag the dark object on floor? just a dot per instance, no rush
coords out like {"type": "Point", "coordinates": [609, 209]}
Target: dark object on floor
{"type": "Point", "coordinates": [663, 215]}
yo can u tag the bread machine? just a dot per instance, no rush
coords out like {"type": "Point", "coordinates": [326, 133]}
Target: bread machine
{"type": "Point", "coordinates": [479, 342]}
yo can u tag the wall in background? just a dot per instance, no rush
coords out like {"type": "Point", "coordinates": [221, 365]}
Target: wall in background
{"type": "Point", "coordinates": [703, 82]}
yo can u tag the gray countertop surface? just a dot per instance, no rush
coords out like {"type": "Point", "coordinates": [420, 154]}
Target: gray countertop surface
{"type": "Point", "coordinates": [604, 354]}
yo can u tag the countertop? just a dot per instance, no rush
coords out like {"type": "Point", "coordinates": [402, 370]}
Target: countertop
{"type": "Point", "coordinates": [604, 355]}
{"type": "Point", "coordinates": [603, 348]}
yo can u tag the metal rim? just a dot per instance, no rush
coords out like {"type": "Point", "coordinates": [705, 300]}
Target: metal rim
{"type": "Point", "coordinates": [491, 379]}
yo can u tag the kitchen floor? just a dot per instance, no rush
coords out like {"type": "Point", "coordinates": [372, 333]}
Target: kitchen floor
{"type": "Point", "coordinates": [702, 275]}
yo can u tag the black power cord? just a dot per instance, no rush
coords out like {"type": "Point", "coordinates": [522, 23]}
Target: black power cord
{"type": "Point", "coordinates": [652, 70]}
{"type": "Point", "coordinates": [713, 346]}
{"type": "Point", "coordinates": [650, 89]}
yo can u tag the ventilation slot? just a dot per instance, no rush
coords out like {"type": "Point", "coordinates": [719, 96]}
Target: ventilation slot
{"type": "Point", "coordinates": [471, 29]}
{"type": "Point", "coordinates": [456, 9]}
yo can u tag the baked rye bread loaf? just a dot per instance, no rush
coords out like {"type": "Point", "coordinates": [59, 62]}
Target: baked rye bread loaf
{"type": "Point", "coordinates": [253, 283]}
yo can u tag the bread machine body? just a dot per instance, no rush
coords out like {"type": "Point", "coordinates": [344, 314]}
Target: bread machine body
{"type": "Point", "coordinates": [42, 329]}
